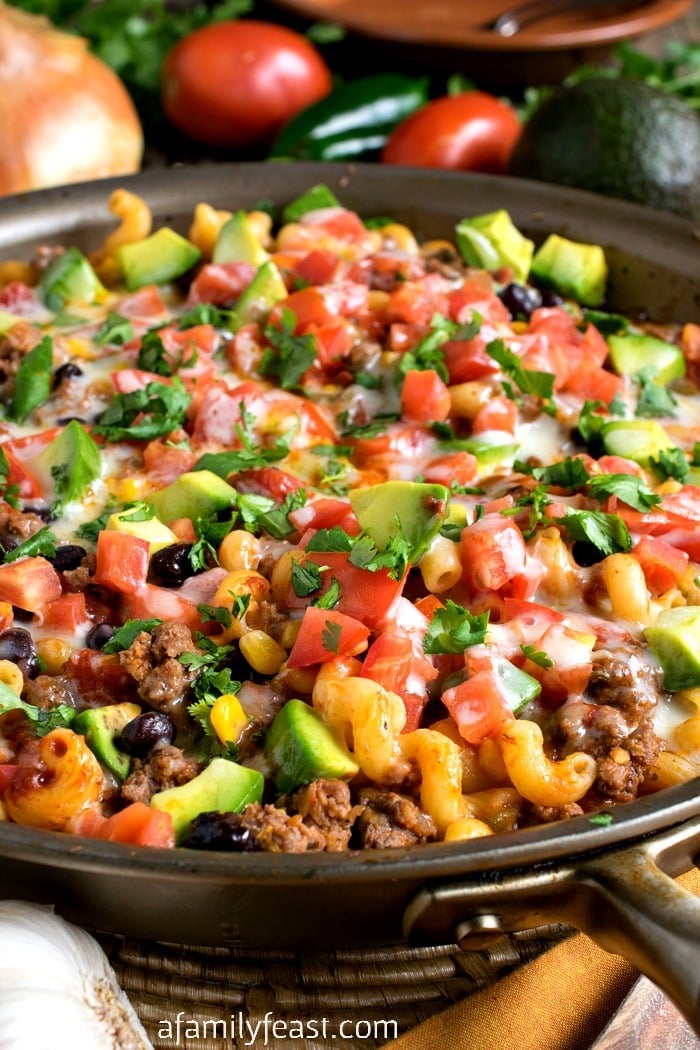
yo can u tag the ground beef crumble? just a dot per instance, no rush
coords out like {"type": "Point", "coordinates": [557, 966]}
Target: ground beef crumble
{"type": "Point", "coordinates": [153, 661]}
{"type": "Point", "coordinates": [388, 819]}
{"type": "Point", "coordinates": [166, 766]}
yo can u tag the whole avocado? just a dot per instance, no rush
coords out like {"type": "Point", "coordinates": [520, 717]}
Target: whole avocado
{"type": "Point", "coordinates": [619, 137]}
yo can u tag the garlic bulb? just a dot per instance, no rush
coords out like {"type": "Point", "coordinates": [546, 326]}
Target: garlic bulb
{"type": "Point", "coordinates": [64, 115]}
{"type": "Point", "coordinates": [57, 989]}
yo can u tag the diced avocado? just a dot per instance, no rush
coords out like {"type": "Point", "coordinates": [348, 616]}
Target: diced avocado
{"type": "Point", "coordinates": [102, 727]}
{"type": "Point", "coordinates": [152, 530]}
{"type": "Point", "coordinates": [302, 748]}
{"type": "Point", "coordinates": [319, 196]}
{"type": "Point", "coordinates": [157, 259]}
{"type": "Point", "coordinates": [519, 687]}
{"type": "Point", "coordinates": [415, 508]}
{"type": "Point", "coordinates": [637, 439]}
{"type": "Point", "coordinates": [238, 242]}
{"type": "Point", "coordinates": [223, 787]}
{"type": "Point", "coordinates": [631, 352]}
{"type": "Point", "coordinates": [490, 447]}
{"type": "Point", "coordinates": [491, 241]}
{"type": "Point", "coordinates": [675, 638]}
{"type": "Point", "coordinates": [571, 268]}
{"type": "Point", "coordinates": [265, 290]}
{"type": "Point", "coordinates": [69, 277]}
{"type": "Point", "coordinates": [195, 494]}
{"type": "Point", "coordinates": [7, 321]}
{"type": "Point", "coordinates": [72, 461]}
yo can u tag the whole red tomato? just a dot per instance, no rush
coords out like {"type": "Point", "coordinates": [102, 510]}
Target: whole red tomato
{"type": "Point", "coordinates": [471, 131]}
{"type": "Point", "coordinates": [237, 83]}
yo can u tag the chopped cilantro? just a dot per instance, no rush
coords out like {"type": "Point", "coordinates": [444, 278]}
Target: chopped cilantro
{"type": "Point", "coordinates": [250, 456]}
{"type": "Point", "coordinates": [372, 429]}
{"type": "Point", "coordinates": [629, 488]}
{"type": "Point", "coordinates": [41, 543]}
{"type": "Point", "coordinates": [367, 380]}
{"type": "Point", "coordinates": [672, 463]}
{"type": "Point", "coordinates": [603, 820]}
{"type": "Point", "coordinates": [205, 313]}
{"type": "Point", "coordinates": [144, 414]}
{"type": "Point", "coordinates": [8, 492]}
{"type": "Point", "coordinates": [307, 577]}
{"type": "Point", "coordinates": [569, 473]}
{"type": "Point", "coordinates": [452, 629]}
{"type": "Point", "coordinates": [33, 381]}
{"type": "Point", "coordinates": [330, 540]}
{"type": "Point", "coordinates": [330, 598]}
{"type": "Point", "coordinates": [125, 635]}
{"type": "Point", "coordinates": [330, 636]}
{"type": "Point", "coordinates": [527, 380]}
{"type": "Point", "coordinates": [115, 330]}
{"type": "Point", "coordinates": [654, 400]}
{"type": "Point", "coordinates": [289, 356]}
{"type": "Point", "coordinates": [43, 720]}
{"type": "Point", "coordinates": [395, 558]}
{"type": "Point", "coordinates": [215, 614]}
{"type": "Point", "coordinates": [607, 532]}
{"type": "Point", "coordinates": [427, 353]}
{"type": "Point", "coordinates": [537, 656]}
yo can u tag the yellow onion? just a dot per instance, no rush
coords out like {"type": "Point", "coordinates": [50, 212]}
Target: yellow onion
{"type": "Point", "coordinates": [64, 115]}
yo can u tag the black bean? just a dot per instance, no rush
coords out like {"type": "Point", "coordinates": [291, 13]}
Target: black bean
{"type": "Point", "coordinates": [98, 636]}
{"type": "Point", "coordinates": [68, 556]}
{"type": "Point", "coordinates": [220, 831]}
{"type": "Point", "coordinates": [586, 554]}
{"type": "Point", "coordinates": [67, 371]}
{"type": "Point", "coordinates": [520, 300]}
{"type": "Point", "coordinates": [17, 645]}
{"type": "Point", "coordinates": [145, 731]}
{"type": "Point", "coordinates": [550, 298]}
{"type": "Point", "coordinates": [171, 565]}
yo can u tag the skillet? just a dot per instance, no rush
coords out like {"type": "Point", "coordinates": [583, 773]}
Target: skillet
{"type": "Point", "coordinates": [614, 883]}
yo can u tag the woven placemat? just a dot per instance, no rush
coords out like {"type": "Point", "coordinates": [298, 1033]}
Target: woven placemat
{"type": "Point", "coordinates": [214, 998]}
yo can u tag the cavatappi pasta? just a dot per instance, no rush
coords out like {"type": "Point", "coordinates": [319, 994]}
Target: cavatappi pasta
{"type": "Point", "coordinates": [315, 537]}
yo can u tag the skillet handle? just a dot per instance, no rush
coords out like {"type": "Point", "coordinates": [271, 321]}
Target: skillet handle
{"type": "Point", "coordinates": [640, 912]}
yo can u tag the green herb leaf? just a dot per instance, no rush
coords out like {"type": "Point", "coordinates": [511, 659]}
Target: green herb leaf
{"type": "Point", "coordinates": [307, 577]}
{"type": "Point", "coordinates": [145, 414]}
{"type": "Point", "coordinates": [654, 400]}
{"type": "Point", "coordinates": [453, 629]}
{"type": "Point", "coordinates": [527, 380]}
{"type": "Point", "coordinates": [607, 532]}
{"type": "Point", "coordinates": [8, 492]}
{"type": "Point", "coordinates": [330, 598]}
{"type": "Point", "coordinates": [603, 820]}
{"type": "Point", "coordinates": [627, 487]}
{"type": "Point", "coordinates": [114, 330]}
{"type": "Point", "coordinates": [330, 636]}
{"type": "Point", "coordinates": [75, 462]}
{"type": "Point", "coordinates": [537, 656]}
{"type": "Point", "coordinates": [289, 356]}
{"type": "Point", "coordinates": [33, 381]}
{"type": "Point", "coordinates": [41, 543]}
{"type": "Point", "coordinates": [125, 635]}
{"type": "Point", "coordinates": [327, 541]}
{"type": "Point", "coordinates": [43, 720]}
{"type": "Point", "coordinates": [672, 463]}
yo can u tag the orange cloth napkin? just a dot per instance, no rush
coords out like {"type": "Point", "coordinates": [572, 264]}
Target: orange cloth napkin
{"type": "Point", "coordinates": [560, 1001]}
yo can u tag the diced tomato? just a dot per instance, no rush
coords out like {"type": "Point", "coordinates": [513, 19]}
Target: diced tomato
{"type": "Point", "coordinates": [162, 603]}
{"type": "Point", "coordinates": [424, 397]}
{"type": "Point", "coordinates": [324, 513]}
{"type": "Point", "coordinates": [220, 284]}
{"type": "Point", "coordinates": [395, 663]}
{"type": "Point", "coordinates": [317, 266]}
{"type": "Point", "coordinates": [400, 443]}
{"type": "Point", "coordinates": [570, 653]}
{"type": "Point", "coordinates": [275, 411]}
{"type": "Point", "coordinates": [500, 413]}
{"type": "Point", "coordinates": [21, 456]}
{"type": "Point", "coordinates": [364, 595]}
{"type": "Point", "coordinates": [467, 359]}
{"type": "Point", "coordinates": [530, 618]}
{"type": "Point", "coordinates": [594, 345]}
{"type": "Point", "coordinates": [139, 825]}
{"type": "Point", "coordinates": [459, 468]}
{"type": "Point", "coordinates": [181, 343]}
{"type": "Point", "coordinates": [333, 342]}
{"type": "Point", "coordinates": [136, 825]}
{"type": "Point", "coordinates": [477, 295]}
{"type": "Point", "coordinates": [477, 706]}
{"type": "Point", "coordinates": [268, 481]}
{"type": "Point", "coordinates": [326, 634]}
{"type": "Point", "coordinates": [418, 301]}
{"type": "Point", "coordinates": [67, 613]}
{"type": "Point", "coordinates": [143, 305]}
{"type": "Point", "coordinates": [493, 552]}
{"type": "Point", "coordinates": [589, 380]}
{"type": "Point", "coordinates": [18, 298]}
{"type": "Point", "coordinates": [29, 583]}
{"type": "Point", "coordinates": [126, 380]}
{"type": "Point", "coordinates": [163, 463]}
{"type": "Point", "coordinates": [663, 565]}
{"type": "Point", "coordinates": [121, 561]}
{"type": "Point", "coordinates": [428, 604]}
{"type": "Point", "coordinates": [99, 678]}
{"type": "Point", "coordinates": [7, 772]}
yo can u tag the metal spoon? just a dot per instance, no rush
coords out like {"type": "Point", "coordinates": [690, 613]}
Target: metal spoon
{"type": "Point", "coordinates": [516, 18]}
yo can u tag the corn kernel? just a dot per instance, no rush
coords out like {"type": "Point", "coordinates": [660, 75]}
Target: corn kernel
{"type": "Point", "coordinates": [127, 489]}
{"type": "Point", "coordinates": [10, 675]}
{"type": "Point", "coordinates": [288, 634]}
{"type": "Point", "coordinates": [300, 680]}
{"type": "Point", "coordinates": [53, 652]}
{"type": "Point", "coordinates": [262, 652]}
{"type": "Point", "coordinates": [467, 828]}
{"type": "Point", "coordinates": [228, 718]}
{"type": "Point", "coordinates": [239, 550]}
